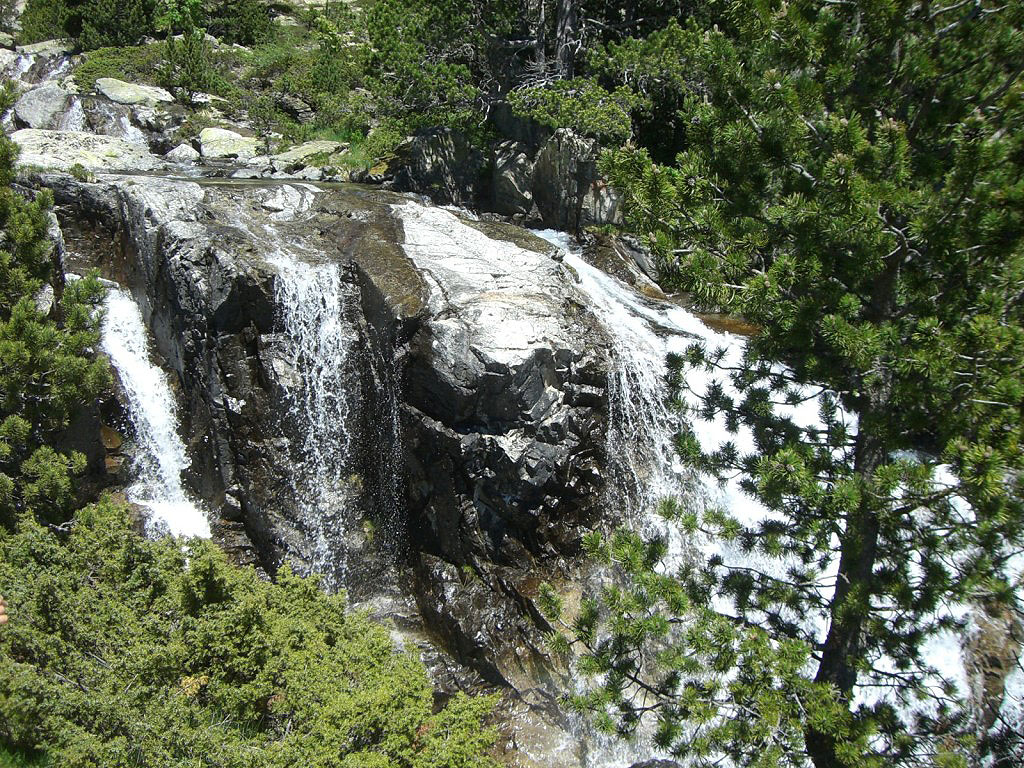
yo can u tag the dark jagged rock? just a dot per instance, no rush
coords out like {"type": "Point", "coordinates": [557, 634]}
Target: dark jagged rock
{"type": "Point", "coordinates": [512, 177]}
{"type": "Point", "coordinates": [625, 258]}
{"type": "Point", "coordinates": [556, 183]}
{"type": "Point", "coordinates": [489, 355]}
{"type": "Point", "coordinates": [440, 163]}
{"type": "Point", "coordinates": [567, 186]}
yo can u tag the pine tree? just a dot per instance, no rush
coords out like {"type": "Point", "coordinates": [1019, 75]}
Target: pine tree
{"type": "Point", "coordinates": [49, 369]}
{"type": "Point", "coordinates": [851, 183]}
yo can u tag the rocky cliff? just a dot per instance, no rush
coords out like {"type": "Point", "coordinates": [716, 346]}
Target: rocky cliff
{"type": "Point", "coordinates": [442, 438]}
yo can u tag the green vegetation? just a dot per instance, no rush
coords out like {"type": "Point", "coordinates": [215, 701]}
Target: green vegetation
{"type": "Point", "coordinates": [849, 177]}
{"type": "Point", "coordinates": [582, 105]}
{"type": "Point", "coordinates": [123, 651]}
{"type": "Point", "coordinates": [137, 64]}
{"type": "Point", "coordinates": [113, 23]}
{"type": "Point", "coordinates": [46, 345]}
{"type": "Point", "coordinates": [846, 175]}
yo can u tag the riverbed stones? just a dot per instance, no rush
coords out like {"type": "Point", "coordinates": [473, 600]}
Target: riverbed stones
{"type": "Point", "coordinates": [301, 156]}
{"type": "Point", "coordinates": [183, 154]}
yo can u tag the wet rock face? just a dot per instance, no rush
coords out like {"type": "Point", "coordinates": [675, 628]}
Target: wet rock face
{"type": "Point", "coordinates": [474, 348]}
{"type": "Point", "coordinates": [491, 394]}
{"type": "Point", "coordinates": [474, 392]}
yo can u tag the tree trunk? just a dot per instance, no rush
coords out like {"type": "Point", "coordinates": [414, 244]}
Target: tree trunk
{"type": "Point", "coordinates": [844, 644]}
{"type": "Point", "coordinates": [567, 34]}
{"type": "Point", "coordinates": [540, 35]}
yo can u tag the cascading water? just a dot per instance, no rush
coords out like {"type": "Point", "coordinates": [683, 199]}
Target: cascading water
{"type": "Point", "coordinates": [641, 440]}
{"type": "Point", "coordinates": [161, 455]}
{"type": "Point", "coordinates": [641, 435]}
{"type": "Point", "coordinates": [311, 301]}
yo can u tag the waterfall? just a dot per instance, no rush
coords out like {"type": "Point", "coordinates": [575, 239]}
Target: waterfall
{"type": "Point", "coordinates": [311, 301]}
{"type": "Point", "coordinates": [641, 435]}
{"type": "Point", "coordinates": [161, 456]}
{"type": "Point", "coordinates": [640, 441]}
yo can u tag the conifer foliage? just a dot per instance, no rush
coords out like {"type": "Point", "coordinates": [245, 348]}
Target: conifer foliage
{"type": "Point", "coordinates": [47, 331]}
{"type": "Point", "coordinates": [850, 181]}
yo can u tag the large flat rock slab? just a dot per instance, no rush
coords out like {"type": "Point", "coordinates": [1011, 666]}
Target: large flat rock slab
{"type": "Point", "coordinates": [132, 93]}
{"type": "Point", "coordinates": [61, 150]}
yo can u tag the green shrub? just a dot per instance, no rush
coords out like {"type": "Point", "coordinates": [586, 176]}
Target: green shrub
{"type": "Point", "coordinates": [101, 23]}
{"type": "Point", "coordinates": [125, 651]}
{"type": "Point", "coordinates": [137, 64]}
{"type": "Point", "coordinates": [189, 67]}
{"type": "Point", "coordinates": [42, 20]}
{"type": "Point", "coordinates": [246, 22]}
{"type": "Point", "coordinates": [580, 104]}
{"type": "Point", "coordinates": [89, 23]}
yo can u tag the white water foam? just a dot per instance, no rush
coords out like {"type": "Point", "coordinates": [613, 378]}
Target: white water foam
{"type": "Point", "coordinates": [161, 456]}
{"type": "Point", "coordinates": [310, 302]}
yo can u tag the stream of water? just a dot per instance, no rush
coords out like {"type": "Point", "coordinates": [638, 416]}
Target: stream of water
{"type": "Point", "coordinates": [160, 453]}
{"type": "Point", "coordinates": [310, 302]}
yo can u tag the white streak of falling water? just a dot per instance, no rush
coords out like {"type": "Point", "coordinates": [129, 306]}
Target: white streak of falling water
{"type": "Point", "coordinates": [161, 456]}
{"type": "Point", "coordinates": [641, 436]}
{"type": "Point", "coordinates": [310, 302]}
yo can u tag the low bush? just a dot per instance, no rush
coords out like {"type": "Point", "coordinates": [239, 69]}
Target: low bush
{"type": "Point", "coordinates": [137, 64]}
{"type": "Point", "coordinates": [126, 651]}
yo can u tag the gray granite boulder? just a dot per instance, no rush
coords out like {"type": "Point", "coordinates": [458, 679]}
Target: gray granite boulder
{"type": "Point", "coordinates": [132, 93]}
{"type": "Point", "coordinates": [42, 107]}
{"type": "Point", "coordinates": [222, 143]}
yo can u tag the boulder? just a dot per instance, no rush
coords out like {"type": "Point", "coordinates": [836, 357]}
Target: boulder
{"type": "Point", "coordinates": [624, 257]}
{"type": "Point", "coordinates": [183, 154]}
{"type": "Point", "coordinates": [42, 107]}
{"type": "Point", "coordinates": [132, 93]}
{"type": "Point", "coordinates": [7, 58]}
{"type": "Point", "coordinates": [600, 205]}
{"type": "Point", "coordinates": [440, 163]}
{"type": "Point", "coordinates": [60, 150]}
{"type": "Point", "coordinates": [46, 48]}
{"type": "Point", "coordinates": [298, 157]}
{"type": "Point", "coordinates": [222, 143]}
{"type": "Point", "coordinates": [490, 390]}
{"type": "Point", "coordinates": [567, 186]}
{"type": "Point", "coordinates": [292, 105]}
{"type": "Point", "coordinates": [512, 177]}
{"type": "Point", "coordinates": [6, 41]}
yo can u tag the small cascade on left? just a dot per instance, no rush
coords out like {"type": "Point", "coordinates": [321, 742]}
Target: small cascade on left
{"type": "Point", "coordinates": [161, 455]}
